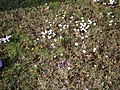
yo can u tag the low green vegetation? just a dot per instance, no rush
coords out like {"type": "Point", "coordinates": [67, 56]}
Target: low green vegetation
{"type": "Point", "coordinates": [59, 45]}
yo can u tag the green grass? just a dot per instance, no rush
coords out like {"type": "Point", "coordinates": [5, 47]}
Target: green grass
{"type": "Point", "coordinates": [56, 63]}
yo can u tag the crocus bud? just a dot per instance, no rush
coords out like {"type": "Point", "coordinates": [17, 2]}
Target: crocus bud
{"type": "Point", "coordinates": [1, 63]}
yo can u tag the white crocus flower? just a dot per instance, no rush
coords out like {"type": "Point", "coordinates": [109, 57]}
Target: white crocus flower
{"type": "Point", "coordinates": [87, 26]}
{"type": "Point", "coordinates": [111, 2]}
{"type": "Point", "coordinates": [52, 44]}
{"type": "Point", "coordinates": [76, 21]}
{"type": "Point", "coordinates": [67, 26]}
{"type": "Point", "coordinates": [49, 37]}
{"type": "Point", "coordinates": [73, 13]}
{"type": "Point", "coordinates": [46, 4]}
{"type": "Point", "coordinates": [104, 3]}
{"type": "Point", "coordinates": [109, 13]}
{"type": "Point", "coordinates": [78, 30]}
{"type": "Point", "coordinates": [89, 21]}
{"type": "Point", "coordinates": [61, 54]}
{"type": "Point", "coordinates": [69, 68]}
{"type": "Point", "coordinates": [37, 39]}
{"type": "Point", "coordinates": [76, 44]}
{"type": "Point", "coordinates": [84, 24]}
{"type": "Point", "coordinates": [8, 37]}
{"type": "Point", "coordinates": [46, 32]}
{"type": "Point", "coordinates": [35, 66]}
{"type": "Point", "coordinates": [74, 29]}
{"type": "Point", "coordinates": [84, 51]}
{"type": "Point", "coordinates": [87, 75]}
{"type": "Point", "coordinates": [95, 0]}
{"type": "Point", "coordinates": [81, 24]}
{"type": "Point", "coordinates": [64, 26]}
{"type": "Point", "coordinates": [56, 15]}
{"type": "Point", "coordinates": [61, 29]}
{"type": "Point", "coordinates": [94, 24]}
{"type": "Point", "coordinates": [4, 40]}
{"type": "Point", "coordinates": [54, 34]}
{"type": "Point", "coordinates": [82, 18]}
{"type": "Point", "coordinates": [61, 37]}
{"type": "Point", "coordinates": [82, 37]}
{"type": "Point", "coordinates": [42, 33]}
{"type": "Point", "coordinates": [63, 17]}
{"type": "Point", "coordinates": [111, 21]}
{"type": "Point", "coordinates": [47, 7]}
{"type": "Point", "coordinates": [55, 40]}
{"type": "Point", "coordinates": [49, 32]}
{"type": "Point", "coordinates": [77, 24]}
{"type": "Point", "coordinates": [54, 56]}
{"type": "Point", "coordinates": [95, 65]}
{"type": "Point", "coordinates": [110, 24]}
{"type": "Point", "coordinates": [60, 25]}
{"type": "Point", "coordinates": [65, 12]}
{"type": "Point", "coordinates": [43, 36]}
{"type": "Point", "coordinates": [53, 22]}
{"type": "Point", "coordinates": [46, 21]}
{"type": "Point", "coordinates": [86, 36]}
{"type": "Point", "coordinates": [50, 25]}
{"type": "Point", "coordinates": [82, 33]}
{"type": "Point", "coordinates": [106, 56]}
{"type": "Point", "coordinates": [55, 18]}
{"type": "Point", "coordinates": [71, 17]}
{"type": "Point", "coordinates": [94, 49]}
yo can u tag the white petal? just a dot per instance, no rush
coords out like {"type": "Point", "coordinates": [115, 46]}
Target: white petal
{"type": "Point", "coordinates": [76, 44]}
{"type": "Point", "coordinates": [94, 49]}
{"type": "Point", "coordinates": [84, 51]}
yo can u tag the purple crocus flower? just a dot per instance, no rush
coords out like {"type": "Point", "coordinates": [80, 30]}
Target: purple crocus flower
{"type": "Point", "coordinates": [1, 63]}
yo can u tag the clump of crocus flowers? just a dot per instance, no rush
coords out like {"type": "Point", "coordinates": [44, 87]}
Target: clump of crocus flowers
{"type": "Point", "coordinates": [6, 39]}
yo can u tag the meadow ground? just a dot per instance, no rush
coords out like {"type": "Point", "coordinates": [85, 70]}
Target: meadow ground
{"type": "Point", "coordinates": [71, 45]}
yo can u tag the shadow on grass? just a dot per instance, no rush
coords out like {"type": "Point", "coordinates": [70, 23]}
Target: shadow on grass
{"type": "Point", "coordinates": [13, 4]}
